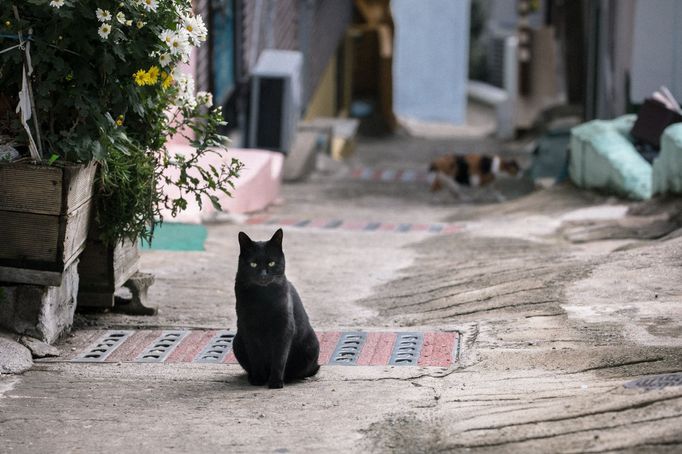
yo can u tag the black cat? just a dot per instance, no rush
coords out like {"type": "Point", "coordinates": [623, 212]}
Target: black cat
{"type": "Point", "coordinates": [274, 341]}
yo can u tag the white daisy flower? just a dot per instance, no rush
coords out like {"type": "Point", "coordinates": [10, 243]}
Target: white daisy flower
{"type": "Point", "coordinates": [150, 5]}
{"type": "Point", "coordinates": [57, 3]}
{"type": "Point", "coordinates": [195, 29]}
{"type": "Point", "coordinates": [104, 31]}
{"type": "Point", "coordinates": [179, 44]}
{"type": "Point", "coordinates": [129, 22]}
{"type": "Point", "coordinates": [165, 59]}
{"type": "Point", "coordinates": [166, 36]}
{"type": "Point", "coordinates": [103, 15]}
{"type": "Point", "coordinates": [205, 98]}
{"type": "Point", "coordinates": [185, 95]}
{"type": "Point", "coordinates": [121, 18]}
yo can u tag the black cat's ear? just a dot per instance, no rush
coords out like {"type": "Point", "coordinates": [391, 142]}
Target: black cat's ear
{"type": "Point", "coordinates": [244, 241]}
{"type": "Point", "coordinates": [276, 239]}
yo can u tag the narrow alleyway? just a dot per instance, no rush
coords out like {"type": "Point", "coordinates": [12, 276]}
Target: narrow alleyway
{"type": "Point", "coordinates": [561, 298]}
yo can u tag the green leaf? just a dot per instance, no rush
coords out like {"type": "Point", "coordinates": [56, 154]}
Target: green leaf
{"type": "Point", "coordinates": [52, 159]}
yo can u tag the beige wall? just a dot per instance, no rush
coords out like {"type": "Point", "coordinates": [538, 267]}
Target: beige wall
{"type": "Point", "coordinates": [323, 101]}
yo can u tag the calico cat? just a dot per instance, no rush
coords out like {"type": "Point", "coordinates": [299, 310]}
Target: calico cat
{"type": "Point", "coordinates": [274, 342]}
{"type": "Point", "coordinates": [471, 170]}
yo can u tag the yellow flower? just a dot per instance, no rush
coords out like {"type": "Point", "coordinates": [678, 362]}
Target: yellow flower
{"type": "Point", "coordinates": [119, 120]}
{"type": "Point", "coordinates": [166, 80]}
{"type": "Point", "coordinates": [152, 75]}
{"type": "Point", "coordinates": [140, 77]}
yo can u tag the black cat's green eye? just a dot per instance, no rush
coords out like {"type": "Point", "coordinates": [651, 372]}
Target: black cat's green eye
{"type": "Point", "coordinates": [253, 264]}
{"type": "Point", "coordinates": [271, 264]}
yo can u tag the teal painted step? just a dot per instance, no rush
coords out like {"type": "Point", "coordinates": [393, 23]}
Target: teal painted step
{"type": "Point", "coordinates": [173, 236]}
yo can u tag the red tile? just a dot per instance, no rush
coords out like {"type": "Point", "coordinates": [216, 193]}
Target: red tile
{"type": "Point", "coordinates": [328, 341]}
{"type": "Point", "coordinates": [451, 228]}
{"type": "Point", "coordinates": [318, 223]}
{"type": "Point", "coordinates": [377, 349]}
{"type": "Point", "coordinates": [190, 346]}
{"type": "Point", "coordinates": [353, 225]}
{"type": "Point", "coordinates": [437, 349]}
{"type": "Point", "coordinates": [133, 346]}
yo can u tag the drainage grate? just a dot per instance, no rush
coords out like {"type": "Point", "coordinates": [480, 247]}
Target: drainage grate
{"type": "Point", "coordinates": [217, 349]}
{"type": "Point", "coordinates": [159, 350]}
{"type": "Point", "coordinates": [103, 347]}
{"type": "Point", "coordinates": [348, 348]}
{"type": "Point", "coordinates": [406, 349]}
{"type": "Point", "coordinates": [656, 381]}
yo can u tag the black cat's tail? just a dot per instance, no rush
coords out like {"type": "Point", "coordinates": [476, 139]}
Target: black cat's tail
{"type": "Point", "coordinates": [313, 370]}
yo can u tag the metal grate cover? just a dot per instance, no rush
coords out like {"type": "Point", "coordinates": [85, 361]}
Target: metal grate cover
{"type": "Point", "coordinates": [406, 349]}
{"type": "Point", "coordinates": [656, 381]}
{"type": "Point", "coordinates": [348, 348]}
{"type": "Point", "coordinates": [217, 349]}
{"type": "Point", "coordinates": [103, 347]}
{"type": "Point", "coordinates": [159, 350]}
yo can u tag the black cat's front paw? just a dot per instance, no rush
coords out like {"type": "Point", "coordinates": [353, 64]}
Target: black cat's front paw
{"type": "Point", "coordinates": [275, 384]}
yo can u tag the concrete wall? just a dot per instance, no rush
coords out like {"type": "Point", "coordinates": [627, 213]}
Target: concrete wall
{"type": "Point", "coordinates": [657, 50]}
{"type": "Point", "coordinates": [431, 59]}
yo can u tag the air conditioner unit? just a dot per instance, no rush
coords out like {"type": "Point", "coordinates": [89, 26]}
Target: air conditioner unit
{"type": "Point", "coordinates": [275, 103]}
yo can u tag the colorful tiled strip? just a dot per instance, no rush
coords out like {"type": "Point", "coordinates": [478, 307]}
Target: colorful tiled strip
{"type": "Point", "coordinates": [342, 348]}
{"type": "Point", "coordinates": [389, 175]}
{"type": "Point", "coordinates": [365, 226]}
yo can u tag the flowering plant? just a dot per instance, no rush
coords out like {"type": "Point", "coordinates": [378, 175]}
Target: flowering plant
{"type": "Point", "coordinates": [105, 86]}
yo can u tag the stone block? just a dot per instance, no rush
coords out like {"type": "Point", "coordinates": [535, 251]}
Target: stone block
{"type": "Point", "coordinates": [41, 312]}
{"type": "Point", "coordinates": [14, 357]}
{"type": "Point", "coordinates": [300, 161]}
{"type": "Point", "coordinates": [343, 132]}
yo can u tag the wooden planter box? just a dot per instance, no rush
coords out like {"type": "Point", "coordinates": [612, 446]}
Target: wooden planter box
{"type": "Point", "coordinates": [44, 214]}
{"type": "Point", "coordinates": [102, 269]}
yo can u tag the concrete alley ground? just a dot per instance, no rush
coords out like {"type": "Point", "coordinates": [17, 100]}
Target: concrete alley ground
{"type": "Point", "coordinates": [561, 297]}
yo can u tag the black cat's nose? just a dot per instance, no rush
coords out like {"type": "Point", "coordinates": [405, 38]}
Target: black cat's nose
{"type": "Point", "coordinates": [263, 273]}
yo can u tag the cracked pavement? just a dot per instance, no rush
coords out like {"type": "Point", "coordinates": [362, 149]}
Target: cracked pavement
{"type": "Point", "coordinates": [562, 296]}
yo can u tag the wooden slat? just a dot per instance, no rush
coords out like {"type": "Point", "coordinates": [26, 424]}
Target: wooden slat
{"type": "Point", "coordinates": [30, 188]}
{"type": "Point", "coordinates": [29, 276]}
{"type": "Point", "coordinates": [126, 258]}
{"type": "Point", "coordinates": [42, 189]}
{"type": "Point", "coordinates": [28, 236]}
{"type": "Point", "coordinates": [76, 232]}
{"type": "Point", "coordinates": [78, 181]}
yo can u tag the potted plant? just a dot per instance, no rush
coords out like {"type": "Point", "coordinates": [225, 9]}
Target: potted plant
{"type": "Point", "coordinates": [99, 83]}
